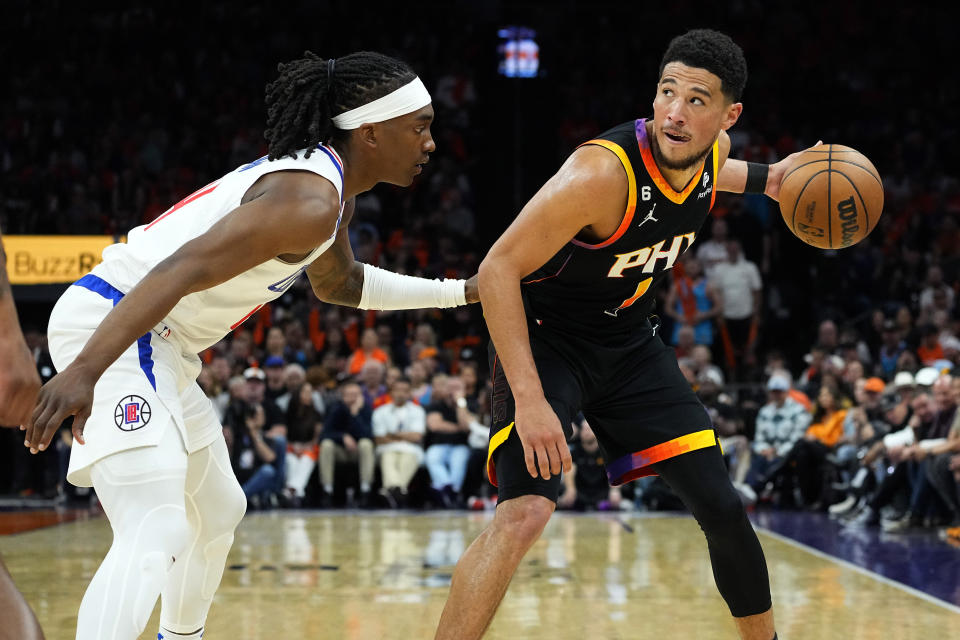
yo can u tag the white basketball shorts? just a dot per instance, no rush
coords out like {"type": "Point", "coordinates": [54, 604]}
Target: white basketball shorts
{"type": "Point", "coordinates": [151, 387]}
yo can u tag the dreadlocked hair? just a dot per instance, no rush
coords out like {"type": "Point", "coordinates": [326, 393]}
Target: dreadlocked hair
{"type": "Point", "coordinates": [302, 102]}
{"type": "Point", "coordinates": [713, 51]}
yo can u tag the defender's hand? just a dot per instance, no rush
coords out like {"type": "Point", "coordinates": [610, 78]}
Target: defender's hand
{"type": "Point", "coordinates": [780, 169]}
{"type": "Point", "coordinates": [472, 291]}
{"type": "Point", "coordinates": [69, 393]}
{"type": "Point", "coordinates": [544, 443]}
{"type": "Point", "coordinates": [19, 382]}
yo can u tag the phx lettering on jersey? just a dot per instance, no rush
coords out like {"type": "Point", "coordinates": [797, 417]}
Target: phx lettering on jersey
{"type": "Point", "coordinates": [647, 258]}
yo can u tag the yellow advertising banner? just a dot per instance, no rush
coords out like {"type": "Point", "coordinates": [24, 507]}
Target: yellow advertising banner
{"type": "Point", "coordinates": [52, 259]}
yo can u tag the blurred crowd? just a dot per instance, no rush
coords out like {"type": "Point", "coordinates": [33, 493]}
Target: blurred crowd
{"type": "Point", "coordinates": [826, 371]}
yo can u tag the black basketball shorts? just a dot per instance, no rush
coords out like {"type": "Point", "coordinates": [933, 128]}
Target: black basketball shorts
{"type": "Point", "coordinates": [631, 393]}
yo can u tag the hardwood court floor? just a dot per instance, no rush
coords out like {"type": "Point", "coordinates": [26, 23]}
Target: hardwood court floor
{"type": "Point", "coordinates": [356, 576]}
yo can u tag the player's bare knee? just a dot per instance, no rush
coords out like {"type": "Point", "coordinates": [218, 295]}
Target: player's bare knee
{"type": "Point", "coordinates": [521, 520]}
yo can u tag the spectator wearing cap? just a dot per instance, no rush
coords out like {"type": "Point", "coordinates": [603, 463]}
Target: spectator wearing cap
{"type": "Point", "coordinates": [926, 377]}
{"type": "Point", "coordinates": [903, 389]}
{"type": "Point", "coordinates": [369, 349]}
{"type": "Point", "coordinates": [347, 436]}
{"type": "Point", "coordinates": [257, 395]}
{"type": "Point", "coordinates": [891, 346]}
{"type": "Point", "coordinates": [258, 458]}
{"type": "Point", "coordinates": [780, 424]}
{"type": "Point", "coordinates": [273, 368]}
{"type": "Point", "coordinates": [862, 426]}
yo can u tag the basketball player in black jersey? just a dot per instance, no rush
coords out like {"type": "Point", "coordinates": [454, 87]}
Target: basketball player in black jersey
{"type": "Point", "coordinates": [19, 386]}
{"type": "Point", "coordinates": [567, 293]}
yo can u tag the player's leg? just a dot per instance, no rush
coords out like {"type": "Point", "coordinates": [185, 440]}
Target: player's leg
{"type": "Point", "coordinates": [524, 505]}
{"type": "Point", "coordinates": [701, 480]}
{"type": "Point", "coordinates": [215, 504]}
{"type": "Point", "coordinates": [141, 491]}
{"type": "Point", "coordinates": [19, 623]}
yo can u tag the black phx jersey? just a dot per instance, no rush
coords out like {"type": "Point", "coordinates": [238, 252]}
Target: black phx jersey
{"type": "Point", "coordinates": [608, 288]}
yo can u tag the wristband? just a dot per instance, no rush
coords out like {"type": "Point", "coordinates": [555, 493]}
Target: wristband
{"type": "Point", "coordinates": [384, 290]}
{"type": "Point", "coordinates": [756, 177]}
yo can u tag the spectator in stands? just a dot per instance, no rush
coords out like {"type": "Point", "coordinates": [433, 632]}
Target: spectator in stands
{"type": "Point", "coordinates": [739, 284]}
{"type": "Point", "coordinates": [372, 380]}
{"type": "Point", "coordinates": [273, 367]}
{"type": "Point", "coordinates": [939, 460]}
{"type": "Point", "coordinates": [369, 350]}
{"type": "Point", "coordinates": [259, 458]}
{"type": "Point", "coordinates": [304, 424]}
{"type": "Point", "coordinates": [586, 487]}
{"type": "Point", "coordinates": [693, 301]}
{"type": "Point", "coordinates": [398, 430]}
{"type": "Point", "coordinates": [448, 426]}
{"type": "Point", "coordinates": [809, 453]}
{"type": "Point", "coordinates": [781, 423]}
{"type": "Point", "coordinates": [929, 350]}
{"type": "Point", "coordinates": [419, 383]}
{"type": "Point", "coordinates": [714, 251]}
{"type": "Point", "coordinates": [936, 293]}
{"type": "Point", "coordinates": [863, 425]}
{"type": "Point", "coordinates": [924, 501]}
{"type": "Point", "coordinates": [276, 344]}
{"type": "Point", "coordinates": [256, 394]}
{"type": "Point", "coordinates": [701, 361]}
{"type": "Point", "coordinates": [891, 346]}
{"type": "Point", "coordinates": [686, 341]}
{"type": "Point", "coordinates": [347, 436]}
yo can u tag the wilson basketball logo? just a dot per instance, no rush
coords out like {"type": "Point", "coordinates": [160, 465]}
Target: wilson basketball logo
{"type": "Point", "coordinates": [847, 211]}
{"type": "Point", "coordinates": [132, 413]}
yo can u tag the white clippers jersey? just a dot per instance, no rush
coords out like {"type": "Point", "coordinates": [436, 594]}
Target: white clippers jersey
{"type": "Point", "coordinates": [201, 319]}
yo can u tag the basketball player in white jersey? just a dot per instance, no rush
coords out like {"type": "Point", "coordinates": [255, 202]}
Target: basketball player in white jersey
{"type": "Point", "coordinates": [19, 385]}
{"type": "Point", "coordinates": [125, 338]}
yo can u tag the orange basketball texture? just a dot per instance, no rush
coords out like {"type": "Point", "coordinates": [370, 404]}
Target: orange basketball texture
{"type": "Point", "coordinates": [832, 197]}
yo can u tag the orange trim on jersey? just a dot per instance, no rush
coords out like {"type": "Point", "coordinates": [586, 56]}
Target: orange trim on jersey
{"type": "Point", "coordinates": [716, 171]}
{"type": "Point", "coordinates": [661, 182]}
{"type": "Point", "coordinates": [631, 194]}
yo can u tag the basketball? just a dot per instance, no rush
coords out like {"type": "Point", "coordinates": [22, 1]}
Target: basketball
{"type": "Point", "coordinates": [832, 197]}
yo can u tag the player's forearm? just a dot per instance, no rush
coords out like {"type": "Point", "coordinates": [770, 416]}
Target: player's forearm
{"type": "Point", "coordinates": [344, 290]}
{"type": "Point", "coordinates": [507, 324]}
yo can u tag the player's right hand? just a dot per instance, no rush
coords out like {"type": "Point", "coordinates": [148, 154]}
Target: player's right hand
{"type": "Point", "coordinates": [544, 442]}
{"type": "Point", "coordinates": [69, 393]}
{"type": "Point", "coordinates": [19, 382]}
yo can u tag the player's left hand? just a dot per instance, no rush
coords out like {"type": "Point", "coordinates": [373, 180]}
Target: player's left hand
{"type": "Point", "coordinates": [472, 291]}
{"type": "Point", "coordinates": [780, 169]}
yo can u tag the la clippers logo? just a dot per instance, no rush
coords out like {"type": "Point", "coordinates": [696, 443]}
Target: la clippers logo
{"type": "Point", "coordinates": [132, 413]}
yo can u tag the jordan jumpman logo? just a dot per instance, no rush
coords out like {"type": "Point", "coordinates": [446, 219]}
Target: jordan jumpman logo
{"type": "Point", "coordinates": [649, 215]}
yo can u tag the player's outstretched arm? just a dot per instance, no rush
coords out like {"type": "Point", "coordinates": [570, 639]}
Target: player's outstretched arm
{"type": "Point", "coordinates": [19, 382]}
{"type": "Point", "coordinates": [283, 213]}
{"type": "Point", "coordinates": [590, 187]}
{"type": "Point", "coordinates": [337, 277]}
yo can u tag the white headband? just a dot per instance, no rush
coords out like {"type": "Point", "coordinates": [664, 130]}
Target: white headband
{"type": "Point", "coordinates": [406, 99]}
